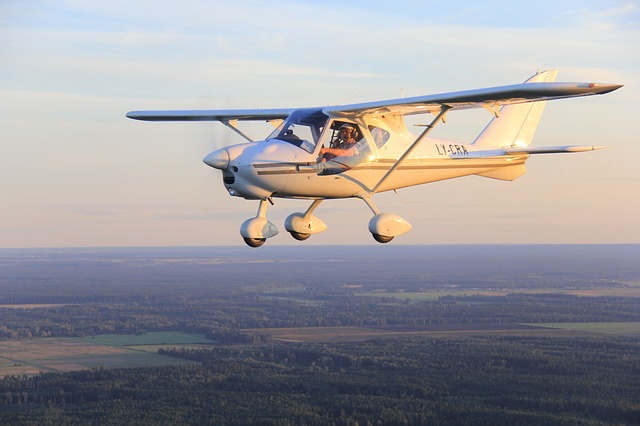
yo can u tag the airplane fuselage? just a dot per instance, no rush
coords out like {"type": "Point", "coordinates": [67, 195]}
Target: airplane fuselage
{"type": "Point", "coordinates": [274, 168]}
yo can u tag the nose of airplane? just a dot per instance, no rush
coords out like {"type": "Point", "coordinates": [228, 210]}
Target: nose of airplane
{"type": "Point", "coordinates": [217, 159]}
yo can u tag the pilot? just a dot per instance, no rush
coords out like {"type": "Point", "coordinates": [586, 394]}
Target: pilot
{"type": "Point", "coordinates": [345, 144]}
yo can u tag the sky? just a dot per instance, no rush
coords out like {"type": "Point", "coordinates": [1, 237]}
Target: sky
{"type": "Point", "coordinates": [75, 172]}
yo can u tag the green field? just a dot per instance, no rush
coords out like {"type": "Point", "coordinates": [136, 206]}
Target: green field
{"type": "Point", "coordinates": [360, 334]}
{"type": "Point", "coordinates": [413, 296]}
{"type": "Point", "coordinates": [11, 368]}
{"type": "Point", "coordinates": [29, 357]}
{"type": "Point", "coordinates": [155, 348]}
{"type": "Point", "coordinates": [152, 338]}
{"type": "Point", "coordinates": [631, 291]}
{"type": "Point", "coordinates": [430, 296]}
{"type": "Point", "coordinates": [618, 328]}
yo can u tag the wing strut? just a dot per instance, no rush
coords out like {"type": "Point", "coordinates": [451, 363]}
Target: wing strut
{"type": "Point", "coordinates": [232, 125]}
{"type": "Point", "coordinates": [424, 133]}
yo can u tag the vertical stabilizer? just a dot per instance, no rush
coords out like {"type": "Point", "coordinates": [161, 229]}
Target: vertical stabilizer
{"type": "Point", "coordinates": [516, 124]}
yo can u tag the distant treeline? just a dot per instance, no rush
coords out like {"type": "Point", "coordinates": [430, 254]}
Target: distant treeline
{"type": "Point", "coordinates": [480, 380]}
{"type": "Point", "coordinates": [223, 317]}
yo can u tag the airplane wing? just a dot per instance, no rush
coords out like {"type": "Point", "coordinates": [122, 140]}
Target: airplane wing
{"type": "Point", "coordinates": [490, 98]}
{"type": "Point", "coordinates": [213, 115]}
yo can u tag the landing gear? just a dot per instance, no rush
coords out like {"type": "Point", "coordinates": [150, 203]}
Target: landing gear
{"type": "Point", "coordinates": [385, 226]}
{"type": "Point", "coordinates": [302, 225]}
{"type": "Point", "coordinates": [381, 238]}
{"type": "Point", "coordinates": [255, 242]}
{"type": "Point", "coordinates": [255, 231]}
{"type": "Point", "coordinates": [299, 236]}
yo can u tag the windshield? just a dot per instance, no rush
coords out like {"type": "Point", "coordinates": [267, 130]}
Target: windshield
{"type": "Point", "coordinates": [302, 128]}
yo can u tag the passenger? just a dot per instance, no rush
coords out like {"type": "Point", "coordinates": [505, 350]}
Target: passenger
{"type": "Point", "coordinates": [344, 145]}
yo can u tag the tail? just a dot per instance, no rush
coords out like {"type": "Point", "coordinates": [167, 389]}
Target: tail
{"type": "Point", "coordinates": [516, 124]}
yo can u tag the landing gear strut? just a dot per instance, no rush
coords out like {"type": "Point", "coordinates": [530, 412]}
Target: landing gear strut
{"type": "Point", "coordinates": [255, 231]}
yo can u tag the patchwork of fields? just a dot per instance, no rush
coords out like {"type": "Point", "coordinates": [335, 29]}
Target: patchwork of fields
{"type": "Point", "coordinates": [425, 296]}
{"type": "Point", "coordinates": [615, 328]}
{"type": "Point", "coordinates": [29, 357]}
{"type": "Point", "coordinates": [33, 356]}
{"type": "Point", "coordinates": [358, 334]}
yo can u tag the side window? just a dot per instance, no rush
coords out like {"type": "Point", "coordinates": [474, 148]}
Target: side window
{"type": "Point", "coordinates": [380, 136]}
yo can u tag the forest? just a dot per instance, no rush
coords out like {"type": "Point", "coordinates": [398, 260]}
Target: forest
{"type": "Point", "coordinates": [476, 380]}
{"type": "Point", "coordinates": [239, 374]}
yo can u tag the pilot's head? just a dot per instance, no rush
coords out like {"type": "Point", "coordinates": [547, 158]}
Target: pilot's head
{"type": "Point", "coordinates": [348, 131]}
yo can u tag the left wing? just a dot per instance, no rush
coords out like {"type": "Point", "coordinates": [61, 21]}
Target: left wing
{"type": "Point", "coordinates": [490, 98]}
{"type": "Point", "coordinates": [213, 115]}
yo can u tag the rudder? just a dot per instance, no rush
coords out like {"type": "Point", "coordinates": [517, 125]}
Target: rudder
{"type": "Point", "coordinates": [516, 124]}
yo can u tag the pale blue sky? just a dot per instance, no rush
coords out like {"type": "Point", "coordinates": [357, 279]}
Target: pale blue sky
{"type": "Point", "coordinates": [75, 172]}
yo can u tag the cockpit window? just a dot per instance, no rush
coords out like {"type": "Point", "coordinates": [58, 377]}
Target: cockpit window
{"type": "Point", "coordinates": [302, 128]}
{"type": "Point", "coordinates": [343, 148]}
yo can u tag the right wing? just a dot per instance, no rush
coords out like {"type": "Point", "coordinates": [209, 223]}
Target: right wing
{"type": "Point", "coordinates": [492, 97]}
{"type": "Point", "coordinates": [224, 115]}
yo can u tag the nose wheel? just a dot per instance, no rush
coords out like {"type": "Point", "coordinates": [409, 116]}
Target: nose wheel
{"type": "Point", "coordinates": [255, 231]}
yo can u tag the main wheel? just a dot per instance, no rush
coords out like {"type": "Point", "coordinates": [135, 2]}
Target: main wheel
{"type": "Point", "coordinates": [299, 236]}
{"type": "Point", "coordinates": [254, 242]}
{"type": "Point", "coordinates": [381, 238]}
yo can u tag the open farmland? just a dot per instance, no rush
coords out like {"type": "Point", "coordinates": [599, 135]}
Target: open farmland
{"type": "Point", "coordinates": [13, 368]}
{"type": "Point", "coordinates": [358, 334]}
{"type": "Point", "coordinates": [424, 296]}
{"type": "Point", "coordinates": [152, 338]}
{"type": "Point", "coordinates": [31, 305]}
{"type": "Point", "coordinates": [29, 357]}
{"type": "Point", "coordinates": [156, 348]}
{"type": "Point", "coordinates": [616, 328]}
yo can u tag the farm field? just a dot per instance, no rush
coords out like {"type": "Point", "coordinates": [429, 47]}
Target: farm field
{"type": "Point", "coordinates": [435, 295]}
{"type": "Point", "coordinates": [617, 328]}
{"type": "Point", "coordinates": [155, 348]}
{"type": "Point", "coordinates": [12, 368]}
{"type": "Point", "coordinates": [357, 334]}
{"type": "Point", "coordinates": [29, 357]}
{"type": "Point", "coordinates": [151, 338]}
{"type": "Point", "coordinates": [31, 305]}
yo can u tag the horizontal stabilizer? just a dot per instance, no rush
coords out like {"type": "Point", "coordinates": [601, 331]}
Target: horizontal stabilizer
{"type": "Point", "coordinates": [528, 150]}
{"type": "Point", "coordinates": [552, 149]}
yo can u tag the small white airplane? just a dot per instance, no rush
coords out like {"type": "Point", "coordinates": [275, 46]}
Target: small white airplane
{"type": "Point", "coordinates": [359, 150]}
